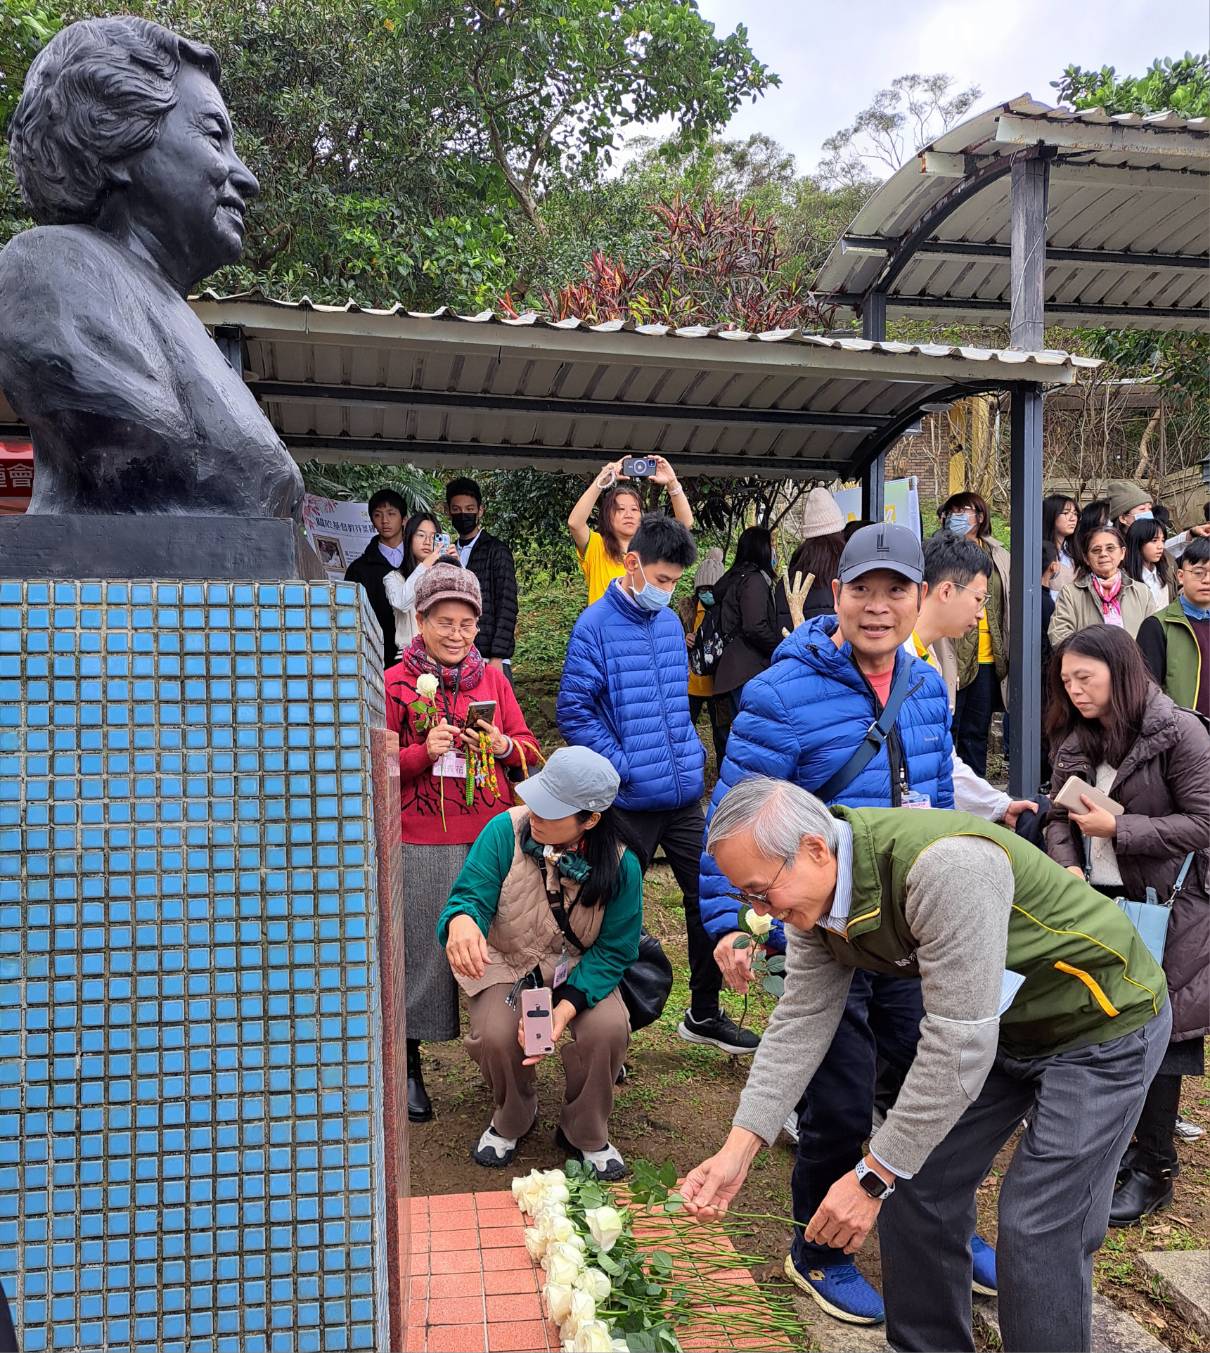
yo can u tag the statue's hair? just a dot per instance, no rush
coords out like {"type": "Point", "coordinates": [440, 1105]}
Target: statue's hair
{"type": "Point", "coordinates": [94, 96]}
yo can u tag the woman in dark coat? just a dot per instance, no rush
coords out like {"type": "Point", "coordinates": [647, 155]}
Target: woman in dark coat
{"type": "Point", "coordinates": [1111, 725]}
{"type": "Point", "coordinates": [749, 620]}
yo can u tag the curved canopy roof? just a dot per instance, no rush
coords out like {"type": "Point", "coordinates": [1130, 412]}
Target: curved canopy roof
{"type": "Point", "coordinates": [345, 383]}
{"type": "Point", "coordinates": [1128, 221]}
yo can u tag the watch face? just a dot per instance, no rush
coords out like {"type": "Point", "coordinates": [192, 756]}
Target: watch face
{"type": "Point", "coordinates": [873, 1184]}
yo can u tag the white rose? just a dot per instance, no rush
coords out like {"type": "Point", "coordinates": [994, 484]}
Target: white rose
{"type": "Point", "coordinates": [528, 1191]}
{"type": "Point", "coordinates": [556, 1193]}
{"type": "Point", "coordinates": [560, 1270]}
{"type": "Point", "coordinates": [582, 1311]}
{"type": "Point", "coordinates": [596, 1284]}
{"type": "Point", "coordinates": [556, 1229]}
{"type": "Point", "coordinates": [605, 1225]}
{"type": "Point", "coordinates": [572, 1247]}
{"type": "Point", "coordinates": [757, 926]}
{"type": "Point", "coordinates": [619, 1346]}
{"type": "Point", "coordinates": [593, 1337]}
{"type": "Point", "coordinates": [558, 1301]}
{"type": "Point", "coordinates": [426, 687]}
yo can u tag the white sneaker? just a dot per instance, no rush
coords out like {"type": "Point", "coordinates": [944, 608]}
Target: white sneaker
{"type": "Point", "coordinates": [607, 1162]}
{"type": "Point", "coordinates": [790, 1127]}
{"type": "Point", "coordinates": [494, 1151]}
{"type": "Point", "coordinates": [1189, 1132]}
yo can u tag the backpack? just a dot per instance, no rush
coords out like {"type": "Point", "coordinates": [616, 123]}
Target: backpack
{"type": "Point", "coordinates": [708, 647]}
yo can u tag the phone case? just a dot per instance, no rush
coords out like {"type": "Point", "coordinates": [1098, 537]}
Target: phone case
{"type": "Point", "coordinates": [536, 1021]}
{"type": "Point", "coordinates": [1069, 797]}
{"type": "Point", "coordinates": [479, 709]}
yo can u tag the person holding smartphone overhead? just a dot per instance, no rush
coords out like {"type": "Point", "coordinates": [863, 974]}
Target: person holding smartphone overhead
{"type": "Point", "coordinates": [453, 781]}
{"type": "Point", "coordinates": [601, 552]}
{"type": "Point", "coordinates": [1112, 728]}
{"type": "Point", "coordinates": [552, 868]}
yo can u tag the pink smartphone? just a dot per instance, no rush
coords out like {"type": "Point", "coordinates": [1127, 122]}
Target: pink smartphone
{"type": "Point", "coordinates": [536, 1021]}
{"type": "Point", "coordinates": [1069, 797]}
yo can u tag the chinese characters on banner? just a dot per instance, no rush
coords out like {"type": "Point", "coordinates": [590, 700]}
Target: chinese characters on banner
{"type": "Point", "coordinates": [16, 476]}
{"type": "Point", "coordinates": [339, 531]}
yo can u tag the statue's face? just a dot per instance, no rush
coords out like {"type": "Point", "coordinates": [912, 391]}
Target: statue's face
{"type": "Point", "coordinates": [190, 191]}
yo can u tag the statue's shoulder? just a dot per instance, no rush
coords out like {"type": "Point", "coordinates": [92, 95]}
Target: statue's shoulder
{"type": "Point", "coordinates": [49, 257]}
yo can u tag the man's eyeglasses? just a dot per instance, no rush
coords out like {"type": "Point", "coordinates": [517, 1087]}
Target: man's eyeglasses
{"type": "Point", "coordinates": [982, 600]}
{"type": "Point", "coordinates": [1201, 572]}
{"type": "Point", "coordinates": [743, 895]}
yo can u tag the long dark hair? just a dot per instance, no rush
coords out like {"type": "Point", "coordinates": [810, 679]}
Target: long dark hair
{"type": "Point", "coordinates": [819, 555]}
{"type": "Point", "coordinates": [1092, 515]}
{"type": "Point", "coordinates": [414, 523]}
{"type": "Point", "coordinates": [1052, 509]}
{"type": "Point", "coordinates": [606, 509]}
{"type": "Point", "coordinates": [755, 546]}
{"type": "Point", "coordinates": [600, 849]}
{"type": "Point", "coordinates": [1142, 532]}
{"type": "Point", "coordinates": [1130, 688]}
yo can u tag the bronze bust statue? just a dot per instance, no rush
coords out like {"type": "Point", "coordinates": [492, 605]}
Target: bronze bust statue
{"type": "Point", "coordinates": [123, 149]}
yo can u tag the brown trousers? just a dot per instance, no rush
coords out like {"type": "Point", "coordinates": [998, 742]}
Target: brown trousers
{"type": "Point", "coordinates": [592, 1050]}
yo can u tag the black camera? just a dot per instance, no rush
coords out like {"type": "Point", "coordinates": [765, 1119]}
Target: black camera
{"type": "Point", "coordinates": [639, 467]}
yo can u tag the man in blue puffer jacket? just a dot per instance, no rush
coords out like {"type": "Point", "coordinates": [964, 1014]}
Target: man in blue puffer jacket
{"type": "Point", "coordinates": [802, 720]}
{"type": "Point", "coordinates": [625, 694]}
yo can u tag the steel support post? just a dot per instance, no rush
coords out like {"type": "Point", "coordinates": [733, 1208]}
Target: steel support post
{"type": "Point", "coordinates": [1030, 179]}
{"type": "Point", "coordinates": [1025, 605]}
{"type": "Point", "coordinates": [873, 477]}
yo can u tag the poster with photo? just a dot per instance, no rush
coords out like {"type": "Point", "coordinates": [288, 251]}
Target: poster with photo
{"type": "Point", "coordinates": [339, 531]}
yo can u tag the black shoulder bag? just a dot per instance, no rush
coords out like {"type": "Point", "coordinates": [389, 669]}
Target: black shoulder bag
{"type": "Point", "coordinates": [645, 985]}
{"type": "Point", "coordinates": [873, 742]}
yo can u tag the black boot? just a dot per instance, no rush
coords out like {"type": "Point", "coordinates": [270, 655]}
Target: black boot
{"type": "Point", "coordinates": [420, 1106]}
{"type": "Point", "coordinates": [1138, 1194]}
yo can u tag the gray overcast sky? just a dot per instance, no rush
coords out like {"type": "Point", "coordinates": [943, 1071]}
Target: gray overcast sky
{"type": "Point", "coordinates": [832, 55]}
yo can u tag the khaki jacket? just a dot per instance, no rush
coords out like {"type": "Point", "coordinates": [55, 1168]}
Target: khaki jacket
{"type": "Point", "coordinates": [1078, 609]}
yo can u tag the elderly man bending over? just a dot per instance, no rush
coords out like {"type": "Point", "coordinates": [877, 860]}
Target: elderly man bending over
{"type": "Point", "coordinates": [1040, 999]}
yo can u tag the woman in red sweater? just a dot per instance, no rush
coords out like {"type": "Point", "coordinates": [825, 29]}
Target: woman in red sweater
{"type": "Point", "coordinates": [453, 780]}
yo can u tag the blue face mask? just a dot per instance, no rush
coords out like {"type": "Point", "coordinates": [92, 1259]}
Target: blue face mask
{"type": "Point", "coordinates": [958, 523]}
{"type": "Point", "coordinates": [1145, 515]}
{"type": "Point", "coordinates": [651, 598]}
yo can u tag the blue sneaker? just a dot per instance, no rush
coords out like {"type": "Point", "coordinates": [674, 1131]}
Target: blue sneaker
{"type": "Point", "coordinates": [840, 1291]}
{"type": "Point", "coordinates": [983, 1279]}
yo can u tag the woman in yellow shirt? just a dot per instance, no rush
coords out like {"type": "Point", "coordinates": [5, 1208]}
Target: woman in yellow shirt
{"type": "Point", "coordinates": [601, 552]}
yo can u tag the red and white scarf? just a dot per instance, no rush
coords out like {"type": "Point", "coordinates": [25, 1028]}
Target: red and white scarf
{"type": "Point", "coordinates": [1109, 595]}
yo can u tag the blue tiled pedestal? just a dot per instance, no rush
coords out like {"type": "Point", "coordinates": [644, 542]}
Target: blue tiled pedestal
{"type": "Point", "coordinates": [191, 1143]}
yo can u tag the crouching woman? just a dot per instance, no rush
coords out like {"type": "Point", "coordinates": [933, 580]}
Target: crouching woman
{"type": "Point", "coordinates": [549, 897]}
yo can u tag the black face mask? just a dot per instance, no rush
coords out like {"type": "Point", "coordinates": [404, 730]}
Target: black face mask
{"type": "Point", "coordinates": [464, 522]}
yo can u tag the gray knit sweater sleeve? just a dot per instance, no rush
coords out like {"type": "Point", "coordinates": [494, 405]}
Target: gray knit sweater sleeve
{"type": "Point", "coordinates": [959, 893]}
{"type": "Point", "coordinates": [799, 1034]}
{"type": "Point", "coordinates": [958, 899]}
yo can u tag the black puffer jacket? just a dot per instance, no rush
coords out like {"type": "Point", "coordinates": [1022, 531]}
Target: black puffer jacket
{"type": "Point", "coordinates": [491, 562]}
{"type": "Point", "coordinates": [370, 570]}
{"type": "Point", "coordinates": [749, 622]}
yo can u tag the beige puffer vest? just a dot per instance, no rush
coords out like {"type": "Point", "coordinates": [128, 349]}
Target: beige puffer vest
{"type": "Point", "coordinates": [524, 934]}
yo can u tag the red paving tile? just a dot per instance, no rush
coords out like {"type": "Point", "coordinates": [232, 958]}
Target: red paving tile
{"type": "Point", "coordinates": [457, 1261]}
{"type": "Point", "coordinates": [455, 1339]}
{"type": "Point", "coordinates": [454, 1240]}
{"type": "Point", "coordinates": [456, 1285]}
{"type": "Point", "coordinates": [497, 1200]}
{"type": "Point", "coordinates": [496, 1261]}
{"type": "Point", "coordinates": [518, 1306]}
{"type": "Point", "coordinates": [516, 1334]}
{"type": "Point", "coordinates": [511, 1280]}
{"type": "Point", "coordinates": [456, 1310]}
{"type": "Point", "coordinates": [498, 1237]}
{"type": "Point", "coordinates": [492, 1218]}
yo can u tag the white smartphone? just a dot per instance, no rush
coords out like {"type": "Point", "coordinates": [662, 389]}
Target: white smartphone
{"type": "Point", "coordinates": [1069, 797]}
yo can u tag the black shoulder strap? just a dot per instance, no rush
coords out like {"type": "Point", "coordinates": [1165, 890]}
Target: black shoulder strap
{"type": "Point", "coordinates": [558, 911]}
{"type": "Point", "coordinates": [874, 740]}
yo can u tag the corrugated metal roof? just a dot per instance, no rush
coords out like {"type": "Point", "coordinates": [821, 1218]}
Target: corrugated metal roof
{"type": "Point", "coordinates": [348, 383]}
{"type": "Point", "coordinates": [1119, 184]}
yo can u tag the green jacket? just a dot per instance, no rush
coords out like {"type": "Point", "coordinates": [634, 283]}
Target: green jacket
{"type": "Point", "coordinates": [1088, 976]}
{"type": "Point", "coordinates": [1171, 650]}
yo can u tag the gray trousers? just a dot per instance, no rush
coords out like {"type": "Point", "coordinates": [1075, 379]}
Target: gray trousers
{"type": "Point", "coordinates": [1054, 1199]}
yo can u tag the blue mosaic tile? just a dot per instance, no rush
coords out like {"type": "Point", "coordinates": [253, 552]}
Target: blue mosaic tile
{"type": "Point", "coordinates": [191, 1151]}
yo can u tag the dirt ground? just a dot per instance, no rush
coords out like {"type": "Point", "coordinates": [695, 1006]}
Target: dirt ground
{"type": "Point", "coordinates": [677, 1104]}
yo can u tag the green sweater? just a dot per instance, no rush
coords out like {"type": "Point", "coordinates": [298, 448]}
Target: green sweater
{"type": "Point", "coordinates": [476, 893]}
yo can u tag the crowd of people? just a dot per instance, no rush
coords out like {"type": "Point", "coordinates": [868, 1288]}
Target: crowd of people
{"type": "Point", "coordinates": [958, 961]}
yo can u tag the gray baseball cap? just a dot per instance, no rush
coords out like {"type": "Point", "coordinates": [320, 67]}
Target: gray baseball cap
{"type": "Point", "coordinates": [574, 780]}
{"type": "Point", "coordinates": [882, 545]}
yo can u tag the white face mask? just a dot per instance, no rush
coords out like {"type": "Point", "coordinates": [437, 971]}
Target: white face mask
{"type": "Point", "coordinates": [650, 597]}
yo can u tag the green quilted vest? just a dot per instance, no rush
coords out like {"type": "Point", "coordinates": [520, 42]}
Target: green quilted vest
{"type": "Point", "coordinates": [1088, 975]}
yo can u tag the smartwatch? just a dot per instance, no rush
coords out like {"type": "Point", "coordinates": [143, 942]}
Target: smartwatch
{"type": "Point", "coordinates": [873, 1182]}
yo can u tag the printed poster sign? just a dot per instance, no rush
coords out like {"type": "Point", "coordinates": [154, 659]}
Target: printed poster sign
{"type": "Point", "coordinates": [339, 531]}
{"type": "Point", "coordinates": [902, 503]}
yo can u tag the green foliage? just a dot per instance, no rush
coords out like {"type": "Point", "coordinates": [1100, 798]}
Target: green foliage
{"type": "Point", "coordinates": [1181, 85]}
{"type": "Point", "coordinates": [357, 483]}
{"type": "Point", "coordinates": [25, 27]}
{"type": "Point", "coordinates": [541, 88]}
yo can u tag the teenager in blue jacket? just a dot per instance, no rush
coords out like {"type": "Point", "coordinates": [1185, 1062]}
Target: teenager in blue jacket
{"type": "Point", "coordinates": [802, 721]}
{"type": "Point", "coordinates": [625, 693]}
